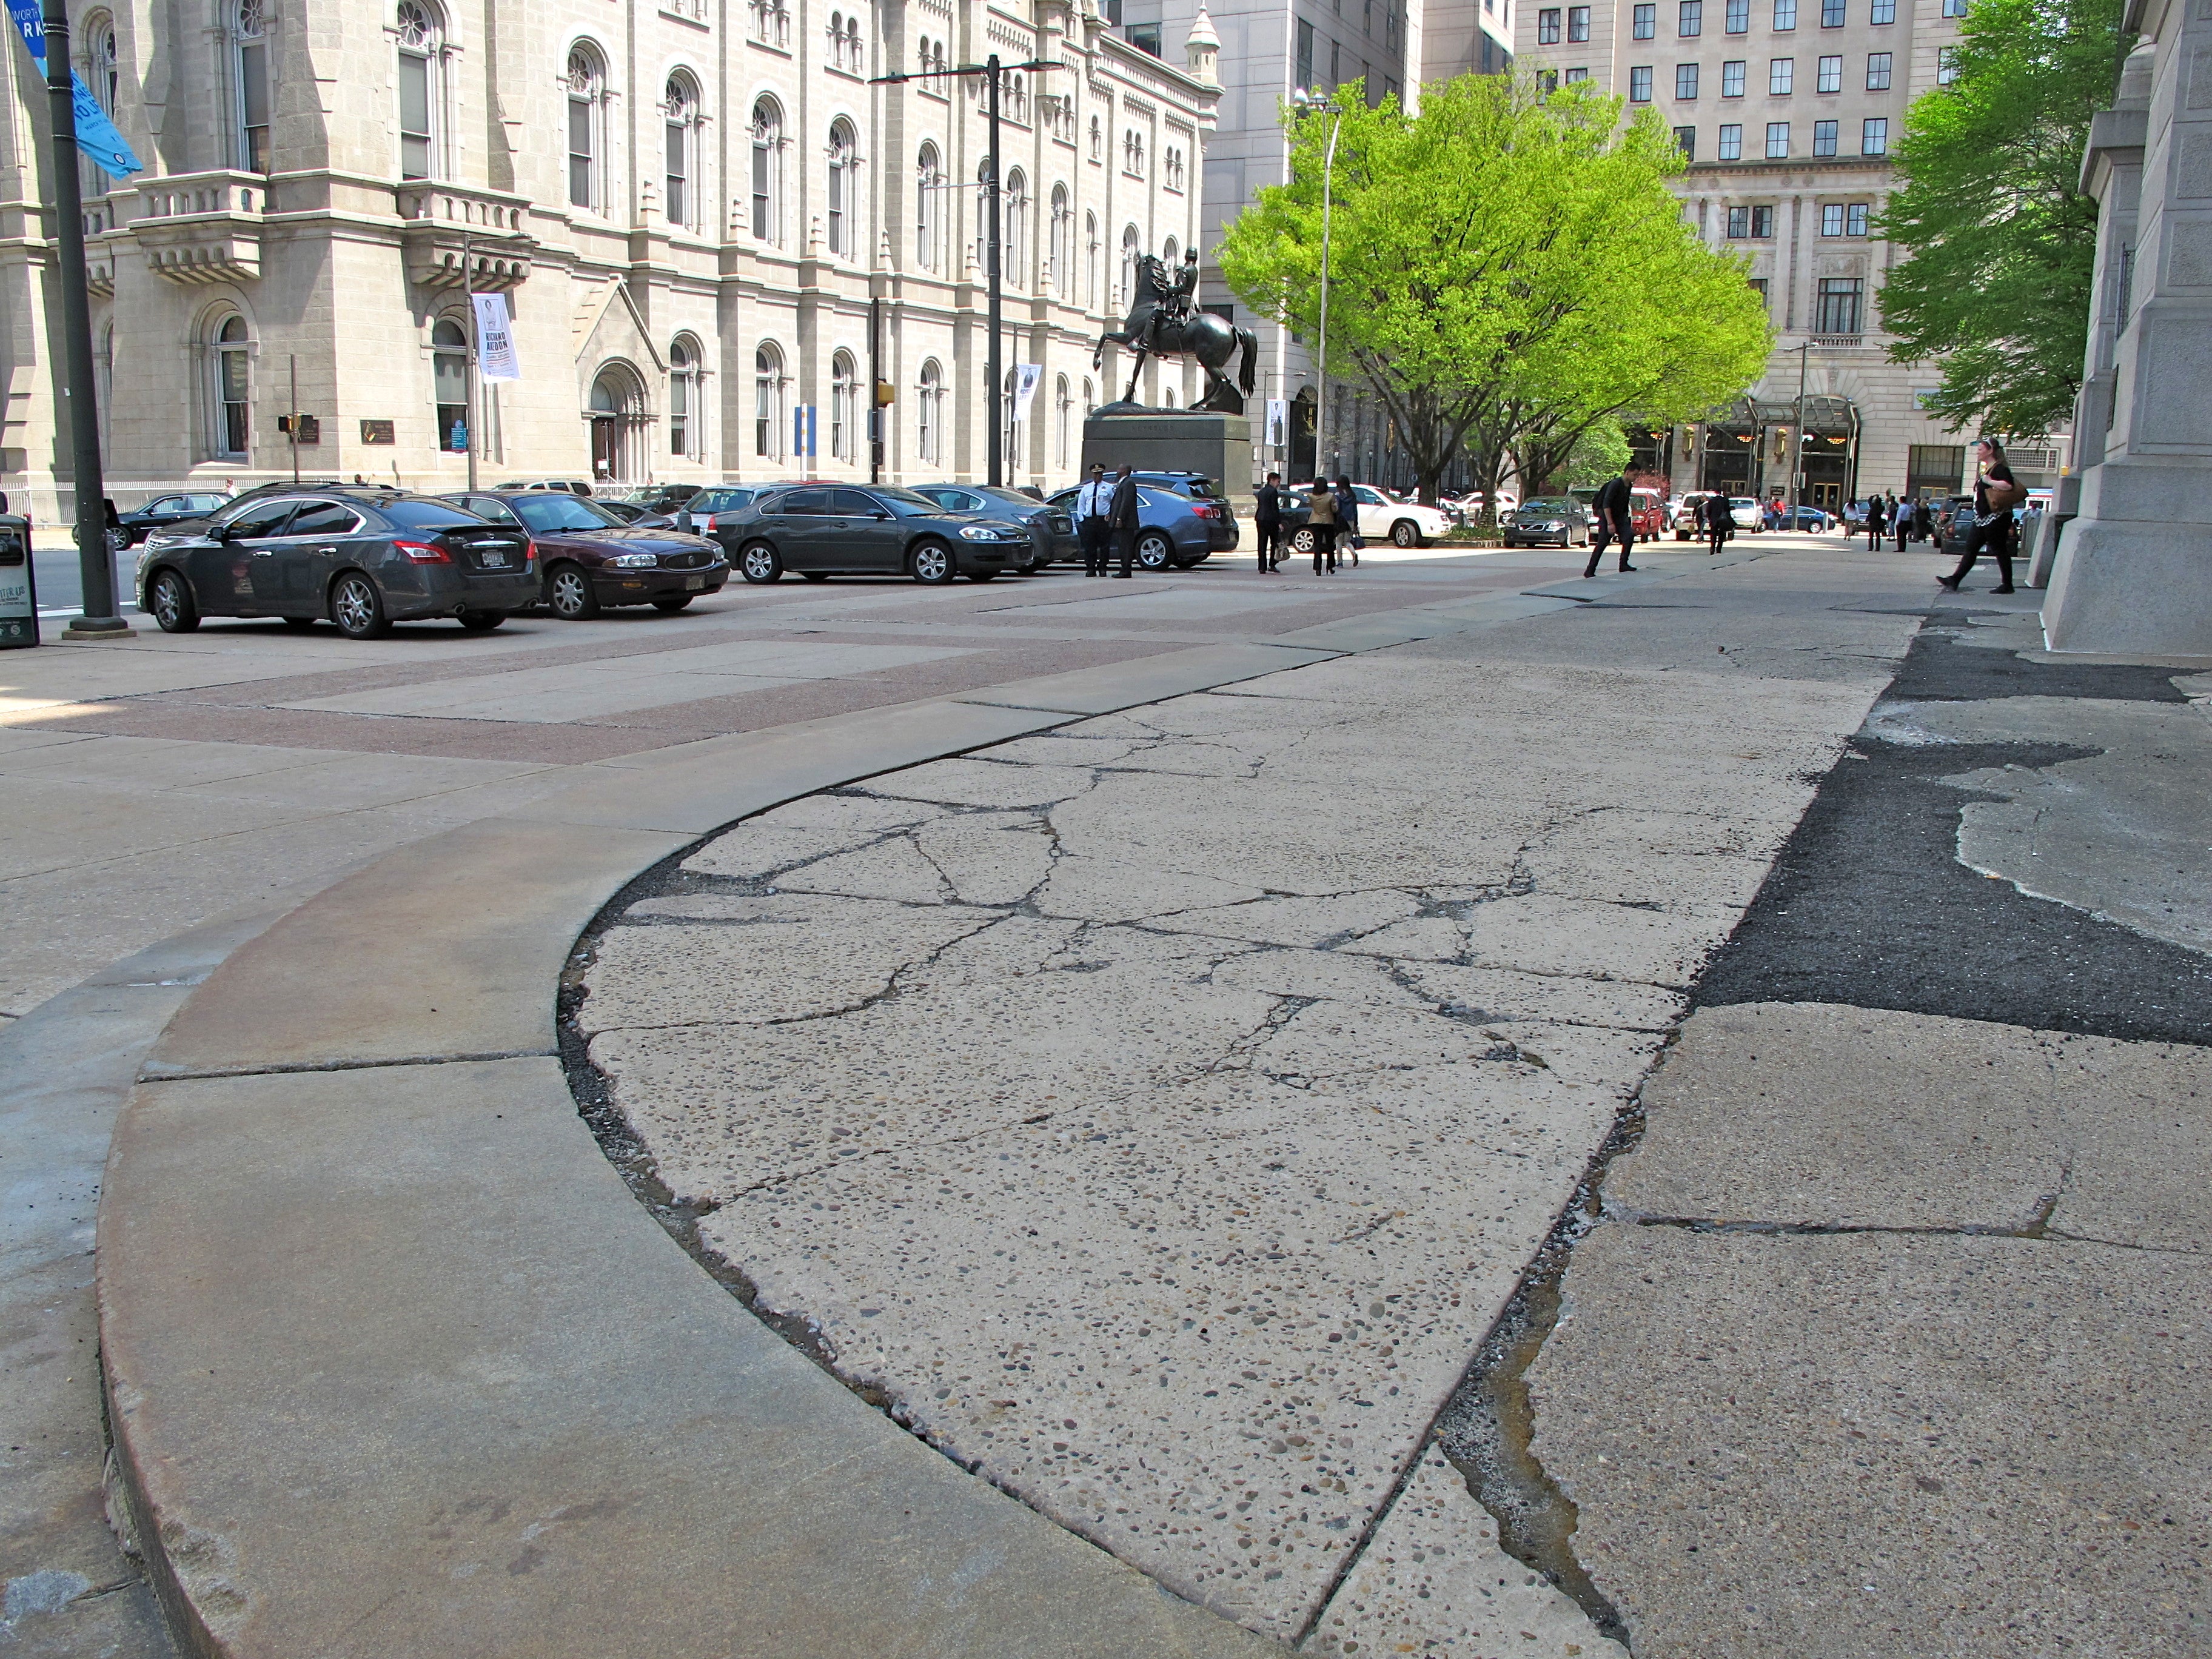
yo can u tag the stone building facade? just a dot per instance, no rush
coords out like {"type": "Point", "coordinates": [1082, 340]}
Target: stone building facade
{"type": "Point", "coordinates": [1789, 111]}
{"type": "Point", "coordinates": [716, 235]}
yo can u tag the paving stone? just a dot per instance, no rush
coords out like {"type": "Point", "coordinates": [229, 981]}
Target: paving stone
{"type": "Point", "coordinates": [967, 782]}
{"type": "Point", "coordinates": [1434, 1581]}
{"type": "Point", "coordinates": [1880, 1443]}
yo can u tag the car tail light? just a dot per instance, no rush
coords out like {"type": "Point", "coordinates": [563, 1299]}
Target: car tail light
{"type": "Point", "coordinates": [529, 553]}
{"type": "Point", "coordinates": [423, 553]}
{"type": "Point", "coordinates": [1202, 510]}
{"type": "Point", "coordinates": [703, 525]}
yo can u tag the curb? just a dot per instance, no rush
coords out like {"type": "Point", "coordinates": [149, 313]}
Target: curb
{"type": "Point", "coordinates": [394, 1360]}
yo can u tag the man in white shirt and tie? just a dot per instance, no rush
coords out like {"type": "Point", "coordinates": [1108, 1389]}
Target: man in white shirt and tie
{"type": "Point", "coordinates": [1092, 504]}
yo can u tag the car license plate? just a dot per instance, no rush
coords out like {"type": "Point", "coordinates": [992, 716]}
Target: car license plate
{"type": "Point", "coordinates": [694, 584]}
{"type": "Point", "coordinates": [492, 559]}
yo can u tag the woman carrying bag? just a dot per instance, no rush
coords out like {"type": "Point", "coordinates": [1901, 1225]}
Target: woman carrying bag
{"type": "Point", "coordinates": [1322, 505]}
{"type": "Point", "coordinates": [1996, 492]}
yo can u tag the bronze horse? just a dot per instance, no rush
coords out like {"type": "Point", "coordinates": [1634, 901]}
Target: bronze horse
{"type": "Point", "coordinates": [1160, 324]}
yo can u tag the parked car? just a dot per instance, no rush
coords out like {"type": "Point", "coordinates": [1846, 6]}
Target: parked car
{"type": "Point", "coordinates": [1052, 530]}
{"type": "Point", "coordinates": [1549, 520]}
{"type": "Point", "coordinates": [1647, 511]}
{"type": "Point", "coordinates": [1746, 512]}
{"type": "Point", "coordinates": [591, 561]}
{"type": "Point", "coordinates": [1207, 502]}
{"type": "Point", "coordinates": [821, 531]}
{"type": "Point", "coordinates": [1384, 516]}
{"type": "Point", "coordinates": [570, 486]}
{"type": "Point", "coordinates": [657, 498]}
{"type": "Point", "coordinates": [362, 558]}
{"type": "Point", "coordinates": [1687, 525]}
{"type": "Point", "coordinates": [165, 510]}
{"type": "Point", "coordinates": [1173, 529]}
{"type": "Point", "coordinates": [1810, 518]}
{"type": "Point", "coordinates": [636, 513]}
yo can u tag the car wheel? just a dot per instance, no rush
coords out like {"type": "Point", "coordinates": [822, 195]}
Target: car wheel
{"type": "Point", "coordinates": [170, 599]}
{"type": "Point", "coordinates": [1302, 541]}
{"type": "Point", "coordinates": [674, 602]}
{"type": "Point", "coordinates": [757, 562]}
{"type": "Point", "coordinates": [569, 593]}
{"type": "Point", "coordinates": [357, 608]}
{"type": "Point", "coordinates": [1405, 533]}
{"type": "Point", "coordinates": [480, 622]}
{"type": "Point", "coordinates": [932, 563]}
{"type": "Point", "coordinates": [1154, 551]}
{"type": "Point", "coordinates": [302, 624]}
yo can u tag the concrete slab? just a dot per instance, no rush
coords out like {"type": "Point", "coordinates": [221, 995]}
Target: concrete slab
{"type": "Point", "coordinates": [1843, 1445]}
{"type": "Point", "coordinates": [446, 1441]}
{"type": "Point", "coordinates": [450, 947]}
{"type": "Point", "coordinates": [1171, 673]}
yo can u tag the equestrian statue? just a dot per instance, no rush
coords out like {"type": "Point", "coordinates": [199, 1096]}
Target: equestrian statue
{"type": "Point", "coordinates": [1165, 321]}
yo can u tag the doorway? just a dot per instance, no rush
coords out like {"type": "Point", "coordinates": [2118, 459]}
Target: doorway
{"type": "Point", "coordinates": [616, 412]}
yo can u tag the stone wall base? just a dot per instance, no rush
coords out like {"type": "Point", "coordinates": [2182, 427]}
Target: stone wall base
{"type": "Point", "coordinates": [2126, 587]}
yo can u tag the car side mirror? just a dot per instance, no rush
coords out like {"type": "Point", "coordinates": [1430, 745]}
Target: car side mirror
{"type": "Point", "coordinates": [219, 532]}
{"type": "Point", "coordinates": [879, 513]}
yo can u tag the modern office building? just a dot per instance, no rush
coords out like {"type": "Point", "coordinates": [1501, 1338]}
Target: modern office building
{"type": "Point", "coordinates": [717, 232]}
{"type": "Point", "coordinates": [1789, 111]}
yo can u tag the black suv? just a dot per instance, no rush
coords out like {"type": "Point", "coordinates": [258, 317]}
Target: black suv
{"type": "Point", "coordinates": [362, 558]}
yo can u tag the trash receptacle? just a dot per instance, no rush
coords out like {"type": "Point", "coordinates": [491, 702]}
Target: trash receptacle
{"type": "Point", "coordinates": [19, 584]}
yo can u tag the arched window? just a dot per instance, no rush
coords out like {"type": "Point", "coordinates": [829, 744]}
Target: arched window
{"type": "Point", "coordinates": [844, 406]}
{"type": "Point", "coordinates": [1063, 406]}
{"type": "Point", "coordinates": [421, 52]}
{"type": "Point", "coordinates": [926, 181]}
{"type": "Point", "coordinates": [1091, 261]}
{"type": "Point", "coordinates": [1018, 228]}
{"type": "Point", "coordinates": [1060, 270]}
{"type": "Point", "coordinates": [768, 402]}
{"type": "Point", "coordinates": [1129, 292]}
{"type": "Point", "coordinates": [449, 382]}
{"type": "Point", "coordinates": [768, 171]}
{"type": "Point", "coordinates": [98, 68]}
{"type": "Point", "coordinates": [1097, 140]}
{"type": "Point", "coordinates": [845, 48]}
{"type": "Point", "coordinates": [684, 406]}
{"type": "Point", "coordinates": [587, 89]}
{"type": "Point", "coordinates": [230, 389]}
{"type": "Point", "coordinates": [856, 49]}
{"type": "Point", "coordinates": [1089, 399]}
{"type": "Point", "coordinates": [844, 179]}
{"type": "Point", "coordinates": [680, 107]}
{"type": "Point", "coordinates": [1173, 254]}
{"type": "Point", "coordinates": [929, 413]}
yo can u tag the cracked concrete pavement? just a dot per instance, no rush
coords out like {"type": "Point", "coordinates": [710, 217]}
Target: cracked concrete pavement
{"type": "Point", "coordinates": [1156, 1114]}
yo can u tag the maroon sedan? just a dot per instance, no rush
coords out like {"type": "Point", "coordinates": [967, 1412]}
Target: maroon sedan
{"type": "Point", "coordinates": [592, 560]}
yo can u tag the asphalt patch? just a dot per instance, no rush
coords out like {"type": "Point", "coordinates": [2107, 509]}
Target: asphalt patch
{"type": "Point", "coordinates": [1941, 667]}
{"type": "Point", "coordinates": [1868, 905]}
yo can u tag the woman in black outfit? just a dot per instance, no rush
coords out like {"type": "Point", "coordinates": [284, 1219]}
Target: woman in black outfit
{"type": "Point", "coordinates": [1996, 494]}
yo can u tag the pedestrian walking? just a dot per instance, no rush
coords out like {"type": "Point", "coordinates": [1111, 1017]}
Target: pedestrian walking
{"type": "Point", "coordinates": [1718, 521]}
{"type": "Point", "coordinates": [1121, 514]}
{"type": "Point", "coordinates": [1614, 504]}
{"type": "Point", "coordinates": [1268, 520]}
{"type": "Point", "coordinates": [1923, 521]}
{"type": "Point", "coordinates": [1348, 519]}
{"type": "Point", "coordinates": [1996, 492]}
{"type": "Point", "coordinates": [1321, 521]}
{"type": "Point", "coordinates": [1093, 523]}
{"type": "Point", "coordinates": [1876, 522]}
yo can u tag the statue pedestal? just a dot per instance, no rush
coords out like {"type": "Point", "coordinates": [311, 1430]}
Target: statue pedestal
{"type": "Point", "coordinates": [1175, 440]}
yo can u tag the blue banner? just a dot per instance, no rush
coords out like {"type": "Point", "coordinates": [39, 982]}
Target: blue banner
{"type": "Point", "coordinates": [96, 136]}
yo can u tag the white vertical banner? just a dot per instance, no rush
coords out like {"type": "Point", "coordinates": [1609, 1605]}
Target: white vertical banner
{"type": "Point", "coordinates": [495, 358]}
{"type": "Point", "coordinates": [1027, 377]}
{"type": "Point", "coordinates": [1278, 416]}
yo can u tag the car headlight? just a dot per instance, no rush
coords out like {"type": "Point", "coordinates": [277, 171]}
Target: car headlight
{"type": "Point", "coordinates": [634, 561]}
{"type": "Point", "coordinates": [978, 532]}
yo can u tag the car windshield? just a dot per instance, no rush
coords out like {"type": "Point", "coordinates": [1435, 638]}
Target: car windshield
{"type": "Point", "coordinates": [1544, 506]}
{"type": "Point", "coordinates": [550, 513]}
{"type": "Point", "coordinates": [405, 514]}
{"type": "Point", "coordinates": [904, 500]}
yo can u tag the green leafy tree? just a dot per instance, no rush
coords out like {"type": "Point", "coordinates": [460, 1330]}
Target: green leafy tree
{"type": "Point", "coordinates": [1601, 453]}
{"type": "Point", "coordinates": [1506, 267]}
{"type": "Point", "coordinates": [2000, 241]}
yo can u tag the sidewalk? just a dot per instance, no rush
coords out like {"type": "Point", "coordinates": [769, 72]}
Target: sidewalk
{"type": "Point", "coordinates": [1210, 1097]}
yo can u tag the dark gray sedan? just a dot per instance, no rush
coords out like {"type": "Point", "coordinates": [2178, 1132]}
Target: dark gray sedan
{"type": "Point", "coordinates": [1052, 530]}
{"type": "Point", "coordinates": [819, 531]}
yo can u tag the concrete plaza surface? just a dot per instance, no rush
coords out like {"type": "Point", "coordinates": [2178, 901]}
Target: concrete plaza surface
{"type": "Point", "coordinates": [1184, 1052]}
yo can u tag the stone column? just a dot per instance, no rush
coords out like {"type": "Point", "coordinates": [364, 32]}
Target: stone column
{"type": "Point", "coordinates": [2134, 570]}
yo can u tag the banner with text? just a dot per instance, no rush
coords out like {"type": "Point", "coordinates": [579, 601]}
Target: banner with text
{"type": "Point", "coordinates": [495, 358]}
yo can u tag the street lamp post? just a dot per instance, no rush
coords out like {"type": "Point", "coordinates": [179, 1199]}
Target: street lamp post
{"type": "Point", "coordinates": [992, 69]}
{"type": "Point", "coordinates": [95, 563]}
{"type": "Point", "coordinates": [1307, 102]}
{"type": "Point", "coordinates": [1797, 439]}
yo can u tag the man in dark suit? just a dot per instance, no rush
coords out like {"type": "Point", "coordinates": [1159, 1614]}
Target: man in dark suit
{"type": "Point", "coordinates": [1268, 520]}
{"type": "Point", "coordinates": [1612, 506]}
{"type": "Point", "coordinates": [1121, 518]}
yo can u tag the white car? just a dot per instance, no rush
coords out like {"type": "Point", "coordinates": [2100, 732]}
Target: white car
{"type": "Point", "coordinates": [1385, 517]}
{"type": "Point", "coordinates": [1747, 512]}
